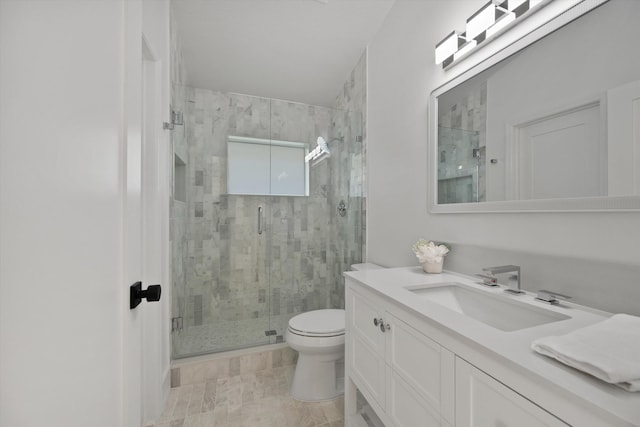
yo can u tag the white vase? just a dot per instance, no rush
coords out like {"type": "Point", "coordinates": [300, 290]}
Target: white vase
{"type": "Point", "coordinates": [432, 267]}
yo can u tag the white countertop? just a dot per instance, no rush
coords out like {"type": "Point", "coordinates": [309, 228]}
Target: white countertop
{"type": "Point", "coordinates": [511, 349]}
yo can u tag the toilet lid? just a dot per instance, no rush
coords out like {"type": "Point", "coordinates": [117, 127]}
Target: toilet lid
{"type": "Point", "coordinates": [319, 322]}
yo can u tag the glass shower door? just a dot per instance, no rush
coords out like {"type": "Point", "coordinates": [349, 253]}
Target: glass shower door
{"type": "Point", "coordinates": [220, 272]}
{"type": "Point", "coordinates": [242, 287]}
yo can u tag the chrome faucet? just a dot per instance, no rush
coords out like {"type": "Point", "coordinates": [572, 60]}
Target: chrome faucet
{"type": "Point", "coordinates": [513, 279]}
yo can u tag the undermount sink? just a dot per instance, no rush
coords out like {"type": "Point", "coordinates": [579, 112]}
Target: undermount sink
{"type": "Point", "coordinates": [496, 310]}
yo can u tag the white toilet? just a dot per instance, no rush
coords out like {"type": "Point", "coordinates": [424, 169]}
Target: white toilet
{"type": "Point", "coordinates": [318, 337]}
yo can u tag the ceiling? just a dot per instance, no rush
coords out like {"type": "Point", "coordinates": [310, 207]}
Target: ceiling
{"type": "Point", "coordinates": [296, 50]}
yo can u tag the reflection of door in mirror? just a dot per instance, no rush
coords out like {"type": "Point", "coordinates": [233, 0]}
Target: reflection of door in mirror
{"type": "Point", "coordinates": [558, 156]}
{"type": "Point", "coordinates": [623, 103]}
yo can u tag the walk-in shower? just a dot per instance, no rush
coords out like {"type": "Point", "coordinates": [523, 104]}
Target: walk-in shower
{"type": "Point", "coordinates": [245, 259]}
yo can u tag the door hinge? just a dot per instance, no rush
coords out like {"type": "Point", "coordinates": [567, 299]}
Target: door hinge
{"type": "Point", "coordinates": [176, 324]}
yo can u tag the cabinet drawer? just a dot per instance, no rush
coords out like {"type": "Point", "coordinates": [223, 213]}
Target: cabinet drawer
{"type": "Point", "coordinates": [483, 401]}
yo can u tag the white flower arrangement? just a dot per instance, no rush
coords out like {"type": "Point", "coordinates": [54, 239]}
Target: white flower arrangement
{"type": "Point", "coordinates": [429, 251]}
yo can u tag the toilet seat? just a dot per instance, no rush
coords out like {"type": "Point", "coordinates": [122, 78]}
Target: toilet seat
{"type": "Point", "coordinates": [318, 323]}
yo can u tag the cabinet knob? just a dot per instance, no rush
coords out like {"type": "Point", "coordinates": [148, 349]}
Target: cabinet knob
{"type": "Point", "coordinates": [380, 322]}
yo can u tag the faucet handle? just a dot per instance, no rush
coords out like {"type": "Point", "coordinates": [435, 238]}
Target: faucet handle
{"type": "Point", "coordinates": [551, 297]}
{"type": "Point", "coordinates": [488, 279]}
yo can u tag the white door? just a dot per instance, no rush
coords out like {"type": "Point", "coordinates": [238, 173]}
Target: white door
{"type": "Point", "coordinates": [623, 127]}
{"type": "Point", "coordinates": [61, 213]}
{"type": "Point", "coordinates": [71, 210]}
{"type": "Point", "coordinates": [143, 370]}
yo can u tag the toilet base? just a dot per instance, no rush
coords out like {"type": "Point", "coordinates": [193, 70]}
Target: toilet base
{"type": "Point", "coordinates": [318, 377]}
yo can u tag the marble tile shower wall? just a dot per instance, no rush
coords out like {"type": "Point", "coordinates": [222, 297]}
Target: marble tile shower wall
{"type": "Point", "coordinates": [349, 178]}
{"type": "Point", "coordinates": [222, 270]}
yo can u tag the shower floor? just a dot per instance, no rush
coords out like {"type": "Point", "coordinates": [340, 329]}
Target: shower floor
{"type": "Point", "coordinates": [228, 335]}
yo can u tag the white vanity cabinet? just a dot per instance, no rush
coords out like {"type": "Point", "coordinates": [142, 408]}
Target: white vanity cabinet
{"type": "Point", "coordinates": [410, 380]}
{"type": "Point", "coordinates": [405, 376]}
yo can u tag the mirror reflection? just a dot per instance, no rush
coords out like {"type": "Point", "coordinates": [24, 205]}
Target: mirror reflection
{"type": "Point", "coordinates": [557, 120]}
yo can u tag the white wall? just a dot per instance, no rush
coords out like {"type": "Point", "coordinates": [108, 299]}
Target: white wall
{"type": "Point", "coordinates": [401, 76]}
{"type": "Point", "coordinates": [61, 229]}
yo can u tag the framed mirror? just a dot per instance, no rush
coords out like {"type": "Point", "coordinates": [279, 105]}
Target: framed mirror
{"type": "Point", "coordinates": [550, 123]}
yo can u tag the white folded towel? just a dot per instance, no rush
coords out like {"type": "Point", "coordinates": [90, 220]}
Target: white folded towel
{"type": "Point", "coordinates": [608, 350]}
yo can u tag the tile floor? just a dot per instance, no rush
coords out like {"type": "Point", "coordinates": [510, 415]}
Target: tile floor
{"type": "Point", "coordinates": [258, 399]}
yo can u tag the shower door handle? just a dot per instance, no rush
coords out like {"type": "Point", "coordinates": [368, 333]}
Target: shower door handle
{"type": "Point", "coordinates": [259, 219]}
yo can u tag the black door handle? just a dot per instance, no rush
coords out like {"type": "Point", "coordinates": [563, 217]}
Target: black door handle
{"type": "Point", "coordinates": [136, 294]}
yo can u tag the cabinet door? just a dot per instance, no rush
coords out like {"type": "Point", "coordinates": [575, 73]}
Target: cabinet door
{"type": "Point", "coordinates": [363, 313]}
{"type": "Point", "coordinates": [423, 364]}
{"type": "Point", "coordinates": [482, 401]}
{"type": "Point", "coordinates": [365, 348]}
{"type": "Point", "coordinates": [405, 407]}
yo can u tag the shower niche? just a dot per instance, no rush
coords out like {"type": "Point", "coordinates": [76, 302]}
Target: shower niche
{"type": "Point", "coordinates": [179, 179]}
{"type": "Point", "coordinates": [258, 238]}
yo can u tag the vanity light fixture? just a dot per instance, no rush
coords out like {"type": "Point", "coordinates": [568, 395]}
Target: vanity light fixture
{"type": "Point", "coordinates": [491, 19]}
{"type": "Point", "coordinates": [464, 49]}
{"type": "Point", "coordinates": [512, 5]}
{"type": "Point", "coordinates": [482, 19]}
{"type": "Point", "coordinates": [502, 22]}
{"type": "Point", "coordinates": [448, 46]}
